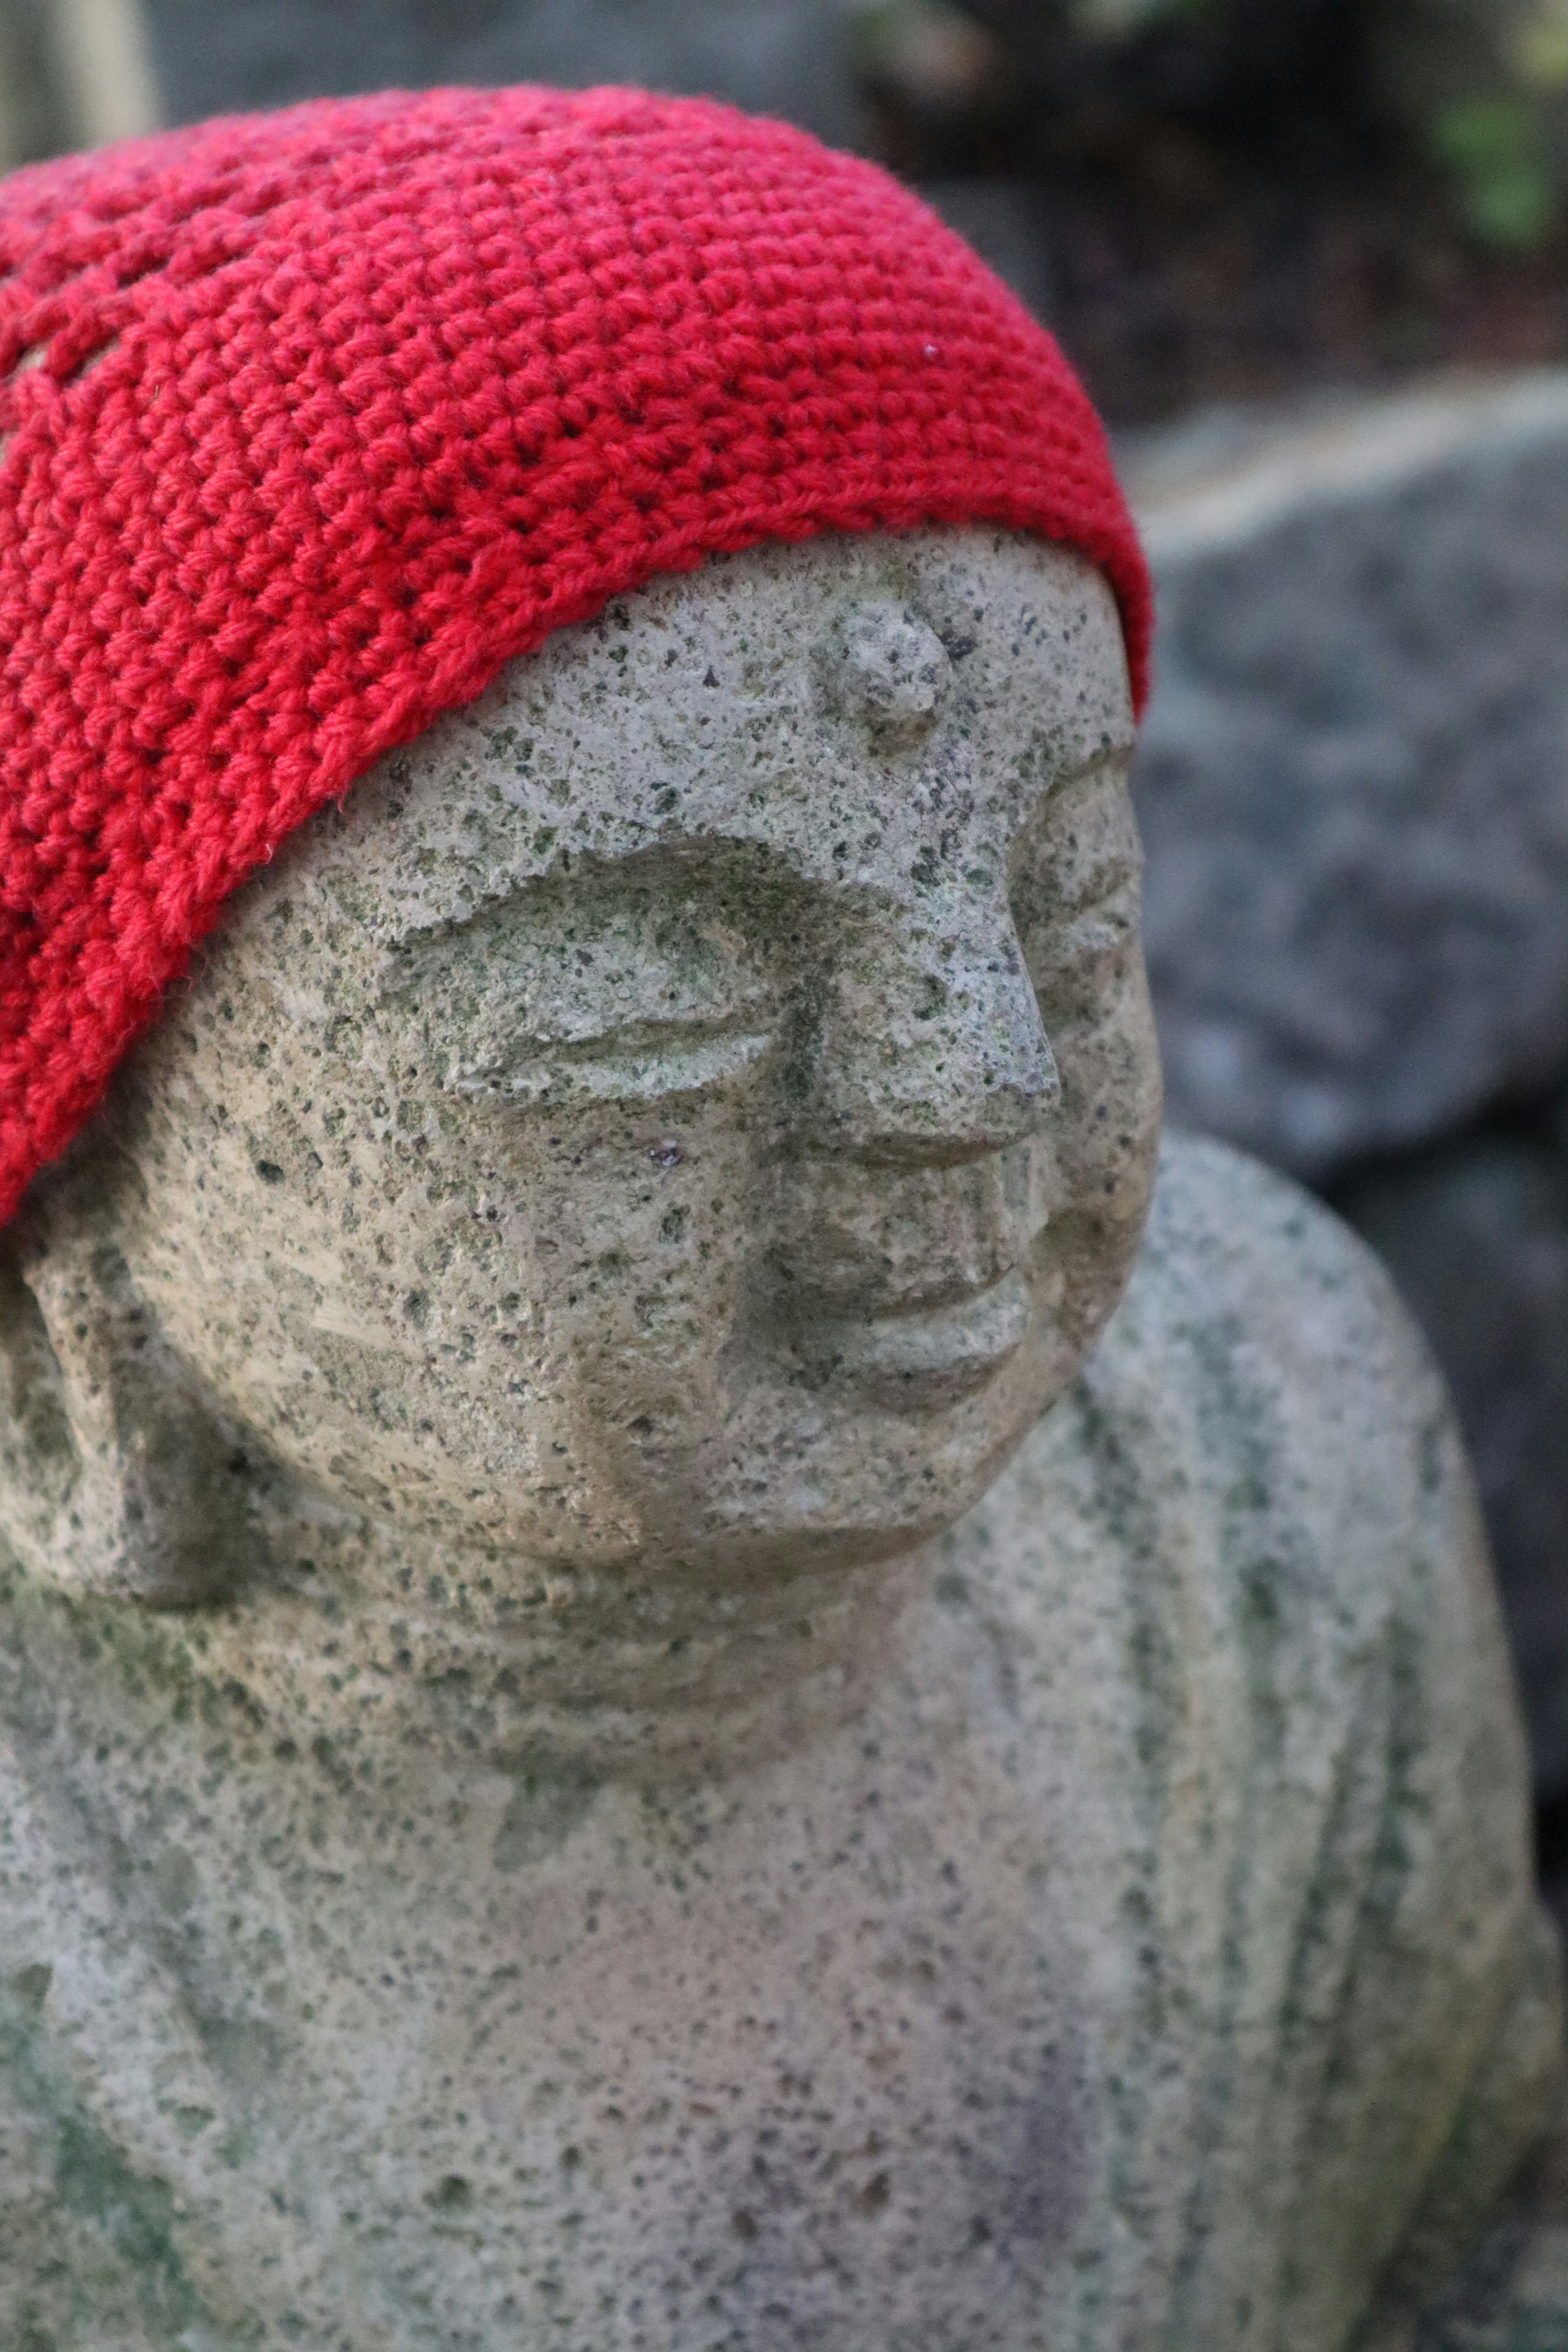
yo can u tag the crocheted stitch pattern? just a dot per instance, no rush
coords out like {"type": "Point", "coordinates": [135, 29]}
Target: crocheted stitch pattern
{"type": "Point", "coordinates": [309, 423]}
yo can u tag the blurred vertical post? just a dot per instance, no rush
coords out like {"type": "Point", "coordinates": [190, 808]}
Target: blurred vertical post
{"type": "Point", "coordinates": [103, 69]}
{"type": "Point", "coordinates": [14, 93]}
{"type": "Point", "coordinates": [73, 73]}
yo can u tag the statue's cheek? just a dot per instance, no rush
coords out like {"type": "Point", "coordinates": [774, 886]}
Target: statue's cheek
{"type": "Point", "coordinates": [633, 1234]}
{"type": "Point", "coordinates": [1109, 1057]}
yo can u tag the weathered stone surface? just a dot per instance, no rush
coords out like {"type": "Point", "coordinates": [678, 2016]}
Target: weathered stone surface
{"type": "Point", "coordinates": [1176, 1869]}
{"type": "Point", "coordinates": [1354, 780]}
{"type": "Point", "coordinates": [606, 1732]}
{"type": "Point", "coordinates": [1476, 1235]}
{"type": "Point", "coordinates": [788, 58]}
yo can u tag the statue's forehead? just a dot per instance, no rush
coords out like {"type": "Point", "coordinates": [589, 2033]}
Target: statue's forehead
{"type": "Point", "coordinates": [713, 706]}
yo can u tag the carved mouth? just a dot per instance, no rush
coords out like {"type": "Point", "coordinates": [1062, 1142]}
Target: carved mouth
{"type": "Point", "coordinates": [918, 1358]}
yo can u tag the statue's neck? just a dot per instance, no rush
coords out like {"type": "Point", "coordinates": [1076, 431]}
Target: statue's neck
{"type": "Point", "coordinates": [389, 1646]}
{"type": "Point", "coordinates": [625, 1671]}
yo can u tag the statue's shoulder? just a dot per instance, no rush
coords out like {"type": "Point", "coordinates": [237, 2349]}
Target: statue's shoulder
{"type": "Point", "coordinates": [1245, 1549]}
{"type": "Point", "coordinates": [1263, 1357]}
{"type": "Point", "coordinates": [1261, 1446]}
{"type": "Point", "coordinates": [1243, 1270]}
{"type": "Point", "coordinates": [1260, 1453]}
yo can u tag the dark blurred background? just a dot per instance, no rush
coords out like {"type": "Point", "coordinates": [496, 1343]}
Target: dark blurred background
{"type": "Point", "coordinates": [1311, 257]}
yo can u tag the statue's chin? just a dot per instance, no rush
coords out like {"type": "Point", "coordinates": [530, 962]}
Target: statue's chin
{"type": "Point", "coordinates": [891, 1450]}
{"type": "Point", "coordinates": [856, 1465]}
{"type": "Point", "coordinates": [654, 1665]}
{"type": "Point", "coordinates": [749, 1603]}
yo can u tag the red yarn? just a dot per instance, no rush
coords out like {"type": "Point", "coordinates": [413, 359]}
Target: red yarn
{"type": "Point", "coordinates": [309, 422]}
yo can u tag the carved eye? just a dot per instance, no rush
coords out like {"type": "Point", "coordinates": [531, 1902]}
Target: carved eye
{"type": "Point", "coordinates": [1073, 963]}
{"type": "Point", "coordinates": [615, 989]}
{"type": "Point", "coordinates": [632, 1064]}
{"type": "Point", "coordinates": [1074, 887]}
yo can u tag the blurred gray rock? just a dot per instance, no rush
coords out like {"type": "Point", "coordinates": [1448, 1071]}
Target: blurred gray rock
{"type": "Point", "coordinates": [788, 57]}
{"type": "Point", "coordinates": [1354, 784]}
{"type": "Point", "coordinates": [1001, 220]}
{"type": "Point", "coordinates": [73, 73]}
{"type": "Point", "coordinates": [1476, 1235]}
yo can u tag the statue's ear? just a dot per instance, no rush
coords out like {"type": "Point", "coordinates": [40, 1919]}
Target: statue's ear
{"type": "Point", "coordinates": [118, 1474]}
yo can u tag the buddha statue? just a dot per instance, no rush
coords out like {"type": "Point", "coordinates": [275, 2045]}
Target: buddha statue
{"type": "Point", "coordinates": [693, 1655]}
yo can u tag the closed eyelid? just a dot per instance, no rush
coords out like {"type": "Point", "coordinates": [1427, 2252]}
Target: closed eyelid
{"type": "Point", "coordinates": [610, 932]}
{"type": "Point", "coordinates": [640, 1061]}
{"type": "Point", "coordinates": [513, 1050]}
{"type": "Point", "coordinates": [1081, 838]}
{"type": "Point", "coordinates": [619, 989]}
{"type": "Point", "coordinates": [723, 1009]}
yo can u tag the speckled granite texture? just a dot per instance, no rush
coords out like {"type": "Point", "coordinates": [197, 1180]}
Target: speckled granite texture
{"type": "Point", "coordinates": [617, 1730]}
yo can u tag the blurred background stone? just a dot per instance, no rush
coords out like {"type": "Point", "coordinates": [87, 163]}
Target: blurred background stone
{"type": "Point", "coordinates": [26, 125]}
{"type": "Point", "coordinates": [1353, 777]}
{"type": "Point", "coordinates": [1248, 198]}
{"type": "Point", "coordinates": [1353, 790]}
{"type": "Point", "coordinates": [73, 73]}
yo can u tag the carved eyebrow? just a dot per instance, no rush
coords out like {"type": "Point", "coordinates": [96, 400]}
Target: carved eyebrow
{"type": "Point", "coordinates": [747, 872]}
{"type": "Point", "coordinates": [1108, 765]}
{"type": "Point", "coordinates": [407, 940]}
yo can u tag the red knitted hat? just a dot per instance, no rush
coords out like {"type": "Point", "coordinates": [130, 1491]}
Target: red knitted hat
{"type": "Point", "coordinates": [309, 422]}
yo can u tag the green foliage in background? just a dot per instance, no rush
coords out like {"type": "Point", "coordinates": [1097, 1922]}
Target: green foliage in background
{"type": "Point", "coordinates": [1482, 86]}
{"type": "Point", "coordinates": [1485, 85]}
{"type": "Point", "coordinates": [1499, 153]}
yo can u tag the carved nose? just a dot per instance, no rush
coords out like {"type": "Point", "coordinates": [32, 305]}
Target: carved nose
{"type": "Point", "coordinates": [924, 1061]}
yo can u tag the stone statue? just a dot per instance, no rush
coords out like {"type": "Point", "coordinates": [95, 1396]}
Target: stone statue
{"type": "Point", "coordinates": [614, 1732]}
{"type": "Point", "coordinates": [632, 1717]}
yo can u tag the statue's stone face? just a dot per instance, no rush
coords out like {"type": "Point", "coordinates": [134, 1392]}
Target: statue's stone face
{"type": "Point", "coordinates": [695, 1106]}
